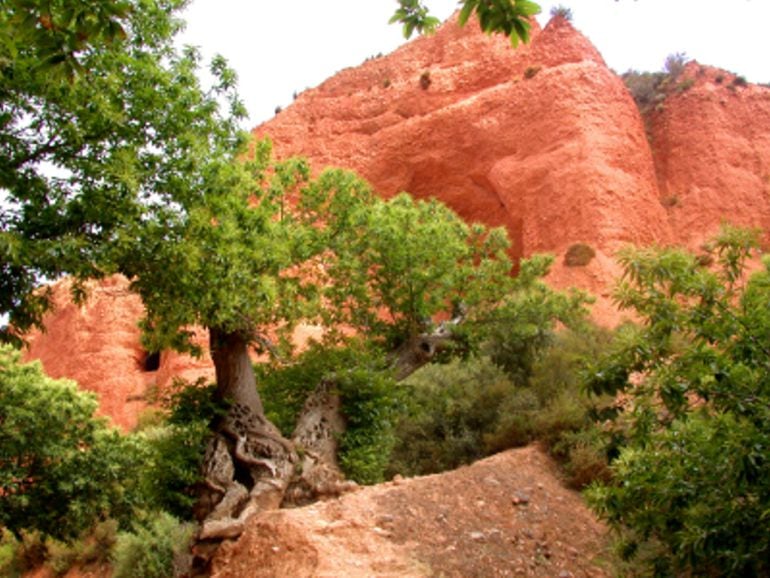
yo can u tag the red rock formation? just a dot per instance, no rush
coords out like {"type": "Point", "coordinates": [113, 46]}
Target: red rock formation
{"type": "Point", "coordinates": [98, 345]}
{"type": "Point", "coordinates": [711, 144]}
{"type": "Point", "coordinates": [544, 140]}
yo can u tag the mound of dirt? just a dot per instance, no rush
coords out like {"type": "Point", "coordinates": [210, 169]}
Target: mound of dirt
{"type": "Point", "coordinates": [507, 515]}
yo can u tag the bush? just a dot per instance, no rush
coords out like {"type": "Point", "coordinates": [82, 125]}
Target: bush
{"type": "Point", "coordinates": [9, 562]}
{"type": "Point", "coordinates": [450, 410]}
{"type": "Point", "coordinates": [464, 411]}
{"type": "Point", "coordinates": [674, 65]}
{"type": "Point", "coordinates": [61, 468]}
{"type": "Point", "coordinates": [369, 396]}
{"type": "Point", "coordinates": [579, 255]}
{"type": "Point", "coordinates": [159, 548]}
{"type": "Point", "coordinates": [647, 88]}
{"type": "Point", "coordinates": [561, 12]}
{"type": "Point", "coordinates": [531, 71]}
{"type": "Point", "coordinates": [691, 479]}
{"type": "Point", "coordinates": [371, 401]}
{"type": "Point", "coordinates": [700, 488]}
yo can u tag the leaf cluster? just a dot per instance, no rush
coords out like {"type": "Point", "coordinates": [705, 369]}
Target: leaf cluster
{"type": "Point", "coordinates": [86, 156]}
{"type": "Point", "coordinates": [508, 17]}
{"type": "Point", "coordinates": [691, 474]}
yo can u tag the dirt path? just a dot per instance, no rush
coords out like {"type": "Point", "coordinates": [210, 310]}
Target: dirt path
{"type": "Point", "coordinates": [507, 515]}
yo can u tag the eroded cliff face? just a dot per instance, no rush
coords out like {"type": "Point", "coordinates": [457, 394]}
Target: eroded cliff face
{"type": "Point", "coordinates": [544, 140]}
{"type": "Point", "coordinates": [98, 345]}
{"type": "Point", "coordinates": [711, 144]}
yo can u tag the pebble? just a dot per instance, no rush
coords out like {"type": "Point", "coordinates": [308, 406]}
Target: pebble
{"type": "Point", "coordinates": [520, 498]}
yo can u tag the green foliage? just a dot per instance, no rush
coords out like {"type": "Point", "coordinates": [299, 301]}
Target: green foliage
{"type": "Point", "coordinates": [647, 88]}
{"type": "Point", "coordinates": [400, 263]}
{"type": "Point", "coordinates": [369, 395]}
{"type": "Point", "coordinates": [61, 468]}
{"type": "Point", "coordinates": [579, 255]}
{"type": "Point", "coordinates": [371, 401]}
{"type": "Point", "coordinates": [85, 155]}
{"type": "Point", "coordinates": [650, 89]}
{"type": "Point", "coordinates": [156, 549]}
{"type": "Point", "coordinates": [523, 324]}
{"type": "Point", "coordinates": [691, 476]}
{"type": "Point", "coordinates": [508, 17]}
{"type": "Point", "coordinates": [450, 409]}
{"type": "Point", "coordinates": [284, 388]}
{"type": "Point", "coordinates": [9, 563]}
{"type": "Point", "coordinates": [59, 34]}
{"type": "Point", "coordinates": [414, 16]}
{"type": "Point", "coordinates": [463, 411]}
{"type": "Point", "coordinates": [175, 447]}
{"type": "Point", "coordinates": [561, 11]}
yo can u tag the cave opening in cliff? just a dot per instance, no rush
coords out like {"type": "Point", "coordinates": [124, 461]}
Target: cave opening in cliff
{"type": "Point", "coordinates": [151, 361]}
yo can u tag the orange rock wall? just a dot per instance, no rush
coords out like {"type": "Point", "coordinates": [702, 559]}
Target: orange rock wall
{"type": "Point", "coordinates": [98, 345]}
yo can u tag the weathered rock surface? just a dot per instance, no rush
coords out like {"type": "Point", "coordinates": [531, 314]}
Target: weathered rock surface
{"type": "Point", "coordinates": [711, 145]}
{"type": "Point", "coordinates": [98, 345]}
{"type": "Point", "coordinates": [460, 523]}
{"type": "Point", "coordinates": [544, 140]}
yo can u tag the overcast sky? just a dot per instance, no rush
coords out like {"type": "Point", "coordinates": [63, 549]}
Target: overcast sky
{"type": "Point", "coordinates": [279, 47]}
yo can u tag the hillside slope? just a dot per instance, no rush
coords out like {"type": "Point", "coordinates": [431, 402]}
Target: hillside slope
{"type": "Point", "coordinates": [507, 515]}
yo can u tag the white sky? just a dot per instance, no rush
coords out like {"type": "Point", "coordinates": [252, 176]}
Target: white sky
{"type": "Point", "coordinates": [279, 47]}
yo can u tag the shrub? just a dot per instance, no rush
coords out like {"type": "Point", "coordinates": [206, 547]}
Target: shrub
{"type": "Point", "coordinates": [691, 478]}
{"type": "Point", "coordinates": [61, 468]}
{"type": "Point", "coordinates": [463, 411]}
{"type": "Point", "coordinates": [700, 488]}
{"type": "Point", "coordinates": [369, 396]}
{"type": "Point", "coordinates": [685, 85]}
{"type": "Point", "coordinates": [647, 88]}
{"type": "Point", "coordinates": [579, 255]}
{"type": "Point", "coordinates": [561, 11]}
{"type": "Point", "coordinates": [425, 80]}
{"type": "Point", "coordinates": [674, 65]}
{"type": "Point", "coordinates": [159, 548]}
{"type": "Point", "coordinates": [9, 562]}
{"type": "Point", "coordinates": [370, 404]}
{"type": "Point", "coordinates": [450, 409]}
{"type": "Point", "coordinates": [740, 81]}
{"type": "Point", "coordinates": [531, 71]}
{"type": "Point", "coordinates": [524, 324]}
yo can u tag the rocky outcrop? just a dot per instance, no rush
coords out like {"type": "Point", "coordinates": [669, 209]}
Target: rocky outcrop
{"type": "Point", "coordinates": [98, 345]}
{"type": "Point", "coordinates": [711, 144]}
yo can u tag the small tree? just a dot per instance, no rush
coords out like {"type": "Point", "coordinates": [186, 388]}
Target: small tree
{"type": "Point", "coordinates": [691, 477]}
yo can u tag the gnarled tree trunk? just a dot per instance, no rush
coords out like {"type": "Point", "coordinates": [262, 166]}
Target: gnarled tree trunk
{"type": "Point", "coordinates": [249, 466]}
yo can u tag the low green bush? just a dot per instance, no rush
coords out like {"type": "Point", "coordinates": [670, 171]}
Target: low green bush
{"type": "Point", "coordinates": [464, 411]}
{"type": "Point", "coordinates": [369, 396]}
{"type": "Point", "coordinates": [450, 409]}
{"type": "Point", "coordinates": [158, 548]}
{"type": "Point", "coordinates": [579, 255]}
